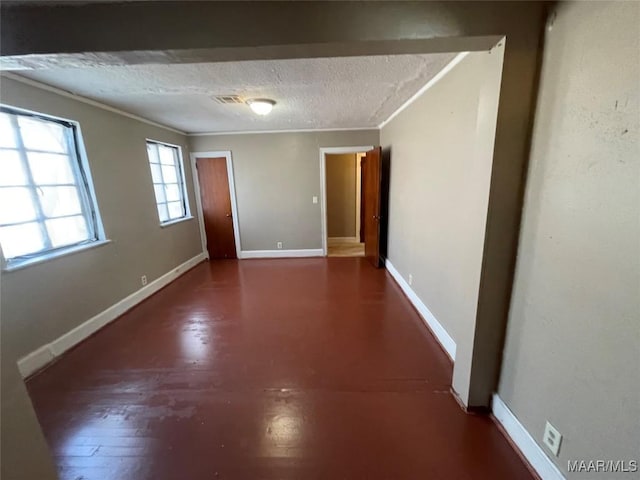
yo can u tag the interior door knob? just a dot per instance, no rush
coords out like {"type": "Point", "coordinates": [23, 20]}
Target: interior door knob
{"type": "Point", "coordinates": [228, 215]}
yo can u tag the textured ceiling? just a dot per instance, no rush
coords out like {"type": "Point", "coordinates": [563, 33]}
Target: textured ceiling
{"type": "Point", "coordinates": [319, 93]}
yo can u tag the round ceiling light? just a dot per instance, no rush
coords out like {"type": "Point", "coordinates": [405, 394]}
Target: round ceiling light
{"type": "Point", "coordinates": [261, 106]}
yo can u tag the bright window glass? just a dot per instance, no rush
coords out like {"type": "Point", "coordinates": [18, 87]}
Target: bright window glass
{"type": "Point", "coordinates": [45, 205]}
{"type": "Point", "coordinates": [168, 182]}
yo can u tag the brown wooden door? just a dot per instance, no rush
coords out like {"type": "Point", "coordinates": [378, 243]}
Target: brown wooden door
{"type": "Point", "coordinates": [216, 207]}
{"type": "Point", "coordinates": [371, 184]}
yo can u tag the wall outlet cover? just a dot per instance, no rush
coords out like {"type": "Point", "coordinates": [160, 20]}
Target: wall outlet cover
{"type": "Point", "coordinates": [279, 245]}
{"type": "Point", "coordinates": [552, 438]}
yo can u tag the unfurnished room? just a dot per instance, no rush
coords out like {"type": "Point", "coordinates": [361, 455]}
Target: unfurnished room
{"type": "Point", "coordinates": [319, 240]}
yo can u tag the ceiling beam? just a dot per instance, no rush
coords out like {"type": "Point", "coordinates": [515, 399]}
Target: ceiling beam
{"type": "Point", "coordinates": [236, 54]}
{"type": "Point", "coordinates": [187, 31]}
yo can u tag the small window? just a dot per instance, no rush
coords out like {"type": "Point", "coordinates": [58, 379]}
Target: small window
{"type": "Point", "coordinates": [46, 206]}
{"type": "Point", "coordinates": [168, 181]}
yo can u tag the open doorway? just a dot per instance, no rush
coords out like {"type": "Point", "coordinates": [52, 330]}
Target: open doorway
{"type": "Point", "coordinates": [344, 186]}
{"type": "Point", "coordinates": [343, 229]}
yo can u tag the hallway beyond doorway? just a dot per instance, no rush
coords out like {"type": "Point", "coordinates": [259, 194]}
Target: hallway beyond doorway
{"type": "Point", "coordinates": [338, 247]}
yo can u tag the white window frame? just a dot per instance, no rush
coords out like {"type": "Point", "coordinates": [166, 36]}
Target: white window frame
{"type": "Point", "coordinates": [182, 183]}
{"type": "Point", "coordinates": [86, 193]}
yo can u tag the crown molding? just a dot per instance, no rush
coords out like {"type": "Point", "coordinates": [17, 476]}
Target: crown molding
{"type": "Point", "coordinates": [447, 68]}
{"type": "Point", "coordinates": [298, 130]}
{"type": "Point", "coordinates": [88, 101]}
{"type": "Point", "coordinates": [458, 58]}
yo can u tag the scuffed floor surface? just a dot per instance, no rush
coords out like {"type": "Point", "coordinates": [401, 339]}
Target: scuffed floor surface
{"type": "Point", "coordinates": [266, 369]}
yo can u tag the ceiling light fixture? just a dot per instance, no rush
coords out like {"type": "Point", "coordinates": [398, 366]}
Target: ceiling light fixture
{"type": "Point", "coordinates": [261, 106]}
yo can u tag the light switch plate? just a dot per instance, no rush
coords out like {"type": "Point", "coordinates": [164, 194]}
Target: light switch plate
{"type": "Point", "coordinates": [315, 199]}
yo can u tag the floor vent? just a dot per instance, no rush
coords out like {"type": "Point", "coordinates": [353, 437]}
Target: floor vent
{"type": "Point", "coordinates": [228, 99]}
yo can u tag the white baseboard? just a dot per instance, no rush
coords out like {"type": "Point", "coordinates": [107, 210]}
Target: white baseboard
{"type": "Point", "coordinates": [438, 330]}
{"type": "Point", "coordinates": [37, 359]}
{"type": "Point", "coordinates": [316, 252]}
{"type": "Point", "coordinates": [534, 454]}
{"type": "Point", "coordinates": [344, 239]}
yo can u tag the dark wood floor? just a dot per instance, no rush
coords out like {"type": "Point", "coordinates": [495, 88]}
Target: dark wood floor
{"type": "Point", "coordinates": [266, 369]}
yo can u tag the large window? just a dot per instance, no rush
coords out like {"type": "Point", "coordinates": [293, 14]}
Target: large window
{"type": "Point", "coordinates": [168, 181]}
{"type": "Point", "coordinates": [45, 202]}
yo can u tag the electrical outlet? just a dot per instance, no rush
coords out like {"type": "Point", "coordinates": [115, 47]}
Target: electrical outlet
{"type": "Point", "coordinates": [143, 280]}
{"type": "Point", "coordinates": [314, 199]}
{"type": "Point", "coordinates": [279, 245]}
{"type": "Point", "coordinates": [410, 279]}
{"type": "Point", "coordinates": [552, 438]}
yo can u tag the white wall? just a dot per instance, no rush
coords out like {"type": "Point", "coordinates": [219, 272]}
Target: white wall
{"type": "Point", "coordinates": [572, 352]}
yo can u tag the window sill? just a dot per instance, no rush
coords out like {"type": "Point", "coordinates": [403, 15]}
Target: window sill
{"type": "Point", "coordinates": [8, 267]}
{"type": "Point", "coordinates": [178, 220]}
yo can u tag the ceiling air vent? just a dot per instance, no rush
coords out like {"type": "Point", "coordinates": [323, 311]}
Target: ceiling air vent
{"type": "Point", "coordinates": [228, 99]}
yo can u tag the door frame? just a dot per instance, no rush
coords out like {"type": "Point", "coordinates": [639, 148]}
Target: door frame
{"type": "Point", "coordinates": [232, 193]}
{"type": "Point", "coordinates": [323, 185]}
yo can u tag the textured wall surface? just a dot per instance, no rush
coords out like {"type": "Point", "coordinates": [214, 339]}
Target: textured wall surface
{"type": "Point", "coordinates": [572, 353]}
{"type": "Point", "coordinates": [276, 176]}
